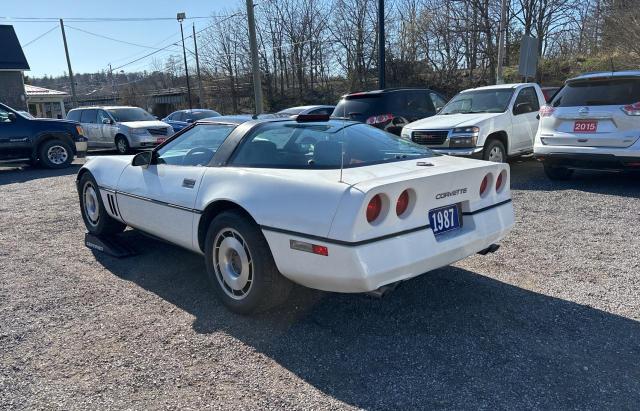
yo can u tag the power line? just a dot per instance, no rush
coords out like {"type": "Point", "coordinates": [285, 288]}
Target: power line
{"type": "Point", "coordinates": [40, 36]}
{"type": "Point", "coordinates": [97, 19]}
{"type": "Point", "coordinates": [111, 38]}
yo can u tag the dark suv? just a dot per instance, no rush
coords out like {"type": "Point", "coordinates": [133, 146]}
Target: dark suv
{"type": "Point", "coordinates": [389, 109]}
{"type": "Point", "coordinates": [53, 143]}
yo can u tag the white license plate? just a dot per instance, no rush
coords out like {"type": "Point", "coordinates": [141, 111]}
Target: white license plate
{"type": "Point", "coordinates": [445, 219]}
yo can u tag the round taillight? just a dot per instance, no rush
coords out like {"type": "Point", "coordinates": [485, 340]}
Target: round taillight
{"type": "Point", "coordinates": [484, 185]}
{"type": "Point", "coordinates": [374, 208]}
{"type": "Point", "coordinates": [403, 203]}
{"type": "Point", "coordinates": [499, 181]}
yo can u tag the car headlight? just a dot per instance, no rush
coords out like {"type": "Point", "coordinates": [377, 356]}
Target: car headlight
{"type": "Point", "coordinates": [139, 131]}
{"type": "Point", "coordinates": [463, 142]}
{"type": "Point", "coordinates": [405, 133]}
{"type": "Point", "coordinates": [471, 130]}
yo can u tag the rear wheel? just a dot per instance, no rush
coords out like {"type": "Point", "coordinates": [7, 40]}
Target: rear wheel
{"type": "Point", "coordinates": [55, 154]}
{"type": "Point", "coordinates": [94, 214]}
{"type": "Point", "coordinates": [240, 266]}
{"type": "Point", "coordinates": [557, 173]}
{"type": "Point", "coordinates": [122, 145]}
{"type": "Point", "coordinates": [494, 151]}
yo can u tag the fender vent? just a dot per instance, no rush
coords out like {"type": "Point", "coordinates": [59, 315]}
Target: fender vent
{"type": "Point", "coordinates": [113, 207]}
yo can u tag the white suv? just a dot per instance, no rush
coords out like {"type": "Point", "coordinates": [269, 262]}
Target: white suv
{"type": "Point", "coordinates": [593, 122]}
{"type": "Point", "coordinates": [492, 123]}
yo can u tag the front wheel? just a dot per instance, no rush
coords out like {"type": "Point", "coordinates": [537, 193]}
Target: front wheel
{"type": "Point", "coordinates": [494, 151]}
{"type": "Point", "coordinates": [240, 266]}
{"type": "Point", "coordinates": [557, 173]}
{"type": "Point", "coordinates": [122, 145]}
{"type": "Point", "coordinates": [55, 154]}
{"type": "Point", "coordinates": [95, 216]}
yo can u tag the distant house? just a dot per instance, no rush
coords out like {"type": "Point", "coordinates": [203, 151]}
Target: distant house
{"type": "Point", "coordinates": [44, 102]}
{"type": "Point", "coordinates": [13, 64]}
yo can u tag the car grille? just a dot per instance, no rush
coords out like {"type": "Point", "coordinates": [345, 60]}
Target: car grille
{"type": "Point", "coordinates": [157, 131]}
{"type": "Point", "coordinates": [430, 137]}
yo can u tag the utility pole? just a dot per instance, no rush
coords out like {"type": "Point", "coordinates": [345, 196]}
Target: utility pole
{"type": "Point", "coordinates": [74, 97]}
{"type": "Point", "coordinates": [181, 17]}
{"type": "Point", "coordinates": [501, 40]}
{"type": "Point", "coordinates": [253, 43]}
{"type": "Point", "coordinates": [381, 58]}
{"type": "Point", "coordinates": [195, 47]}
{"type": "Point", "coordinates": [113, 85]}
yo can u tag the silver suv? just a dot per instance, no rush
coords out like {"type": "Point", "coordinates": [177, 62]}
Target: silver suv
{"type": "Point", "coordinates": [120, 127]}
{"type": "Point", "coordinates": [593, 122]}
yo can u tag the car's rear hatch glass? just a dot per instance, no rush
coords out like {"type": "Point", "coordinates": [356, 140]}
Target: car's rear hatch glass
{"type": "Point", "coordinates": [360, 107]}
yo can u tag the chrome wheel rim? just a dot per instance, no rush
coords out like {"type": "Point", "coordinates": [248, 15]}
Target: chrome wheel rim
{"type": "Point", "coordinates": [91, 205]}
{"type": "Point", "coordinates": [496, 155]}
{"type": "Point", "coordinates": [233, 263]}
{"type": "Point", "coordinates": [57, 154]}
{"type": "Point", "coordinates": [122, 147]}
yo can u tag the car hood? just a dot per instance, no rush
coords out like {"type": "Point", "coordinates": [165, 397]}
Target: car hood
{"type": "Point", "coordinates": [145, 124]}
{"type": "Point", "coordinates": [443, 121]}
{"type": "Point", "coordinates": [55, 121]}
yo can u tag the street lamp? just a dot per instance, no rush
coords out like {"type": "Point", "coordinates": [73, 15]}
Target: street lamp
{"type": "Point", "coordinates": [181, 17]}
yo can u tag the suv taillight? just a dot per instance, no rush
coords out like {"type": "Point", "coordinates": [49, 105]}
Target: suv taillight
{"type": "Point", "coordinates": [546, 111]}
{"type": "Point", "coordinates": [632, 109]}
{"type": "Point", "coordinates": [380, 119]}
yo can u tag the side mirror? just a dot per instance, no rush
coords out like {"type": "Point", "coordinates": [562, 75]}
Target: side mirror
{"type": "Point", "coordinates": [189, 120]}
{"type": "Point", "coordinates": [522, 108]}
{"type": "Point", "coordinates": [11, 117]}
{"type": "Point", "coordinates": [107, 121]}
{"type": "Point", "coordinates": [142, 159]}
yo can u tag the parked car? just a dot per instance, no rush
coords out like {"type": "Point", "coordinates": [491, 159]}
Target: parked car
{"type": "Point", "coordinates": [120, 127]}
{"type": "Point", "coordinates": [52, 143]}
{"type": "Point", "coordinates": [389, 109]}
{"type": "Point", "coordinates": [491, 123]}
{"type": "Point", "coordinates": [182, 118]}
{"type": "Point", "coordinates": [315, 110]}
{"type": "Point", "coordinates": [594, 123]}
{"type": "Point", "coordinates": [549, 92]}
{"type": "Point", "coordinates": [334, 205]}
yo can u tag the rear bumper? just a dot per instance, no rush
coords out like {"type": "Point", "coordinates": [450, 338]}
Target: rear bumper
{"type": "Point", "coordinates": [599, 158]}
{"type": "Point", "coordinates": [367, 267]}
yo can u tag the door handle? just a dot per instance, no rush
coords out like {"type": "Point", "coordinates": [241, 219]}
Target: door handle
{"type": "Point", "coordinates": [188, 183]}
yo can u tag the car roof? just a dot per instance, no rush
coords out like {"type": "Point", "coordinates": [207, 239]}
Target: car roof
{"type": "Point", "coordinates": [191, 110]}
{"type": "Point", "coordinates": [103, 107]}
{"type": "Point", "coordinates": [386, 90]}
{"type": "Point", "coordinates": [606, 74]}
{"type": "Point", "coordinates": [499, 86]}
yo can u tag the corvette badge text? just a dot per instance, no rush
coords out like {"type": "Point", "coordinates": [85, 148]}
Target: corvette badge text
{"type": "Point", "coordinates": [451, 193]}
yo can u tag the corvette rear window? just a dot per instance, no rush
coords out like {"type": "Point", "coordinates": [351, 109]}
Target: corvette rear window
{"type": "Point", "coordinates": [323, 146]}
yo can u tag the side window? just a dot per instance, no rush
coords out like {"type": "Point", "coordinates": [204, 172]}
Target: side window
{"type": "Point", "coordinates": [74, 115]}
{"type": "Point", "coordinates": [195, 147]}
{"type": "Point", "coordinates": [89, 116]}
{"type": "Point", "coordinates": [180, 116]}
{"type": "Point", "coordinates": [4, 116]}
{"type": "Point", "coordinates": [528, 95]}
{"type": "Point", "coordinates": [321, 111]}
{"type": "Point", "coordinates": [438, 102]}
{"type": "Point", "coordinates": [102, 115]}
{"type": "Point", "coordinates": [418, 102]}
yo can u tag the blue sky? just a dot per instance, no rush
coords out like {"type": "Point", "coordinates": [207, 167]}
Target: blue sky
{"type": "Point", "coordinates": [89, 53]}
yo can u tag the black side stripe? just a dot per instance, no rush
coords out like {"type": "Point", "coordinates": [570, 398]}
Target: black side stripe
{"type": "Point", "coordinates": [151, 200]}
{"type": "Point", "coordinates": [487, 208]}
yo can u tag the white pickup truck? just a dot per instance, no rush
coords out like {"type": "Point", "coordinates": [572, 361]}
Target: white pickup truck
{"type": "Point", "coordinates": [491, 123]}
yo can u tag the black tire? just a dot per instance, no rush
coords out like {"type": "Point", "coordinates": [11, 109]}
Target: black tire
{"type": "Point", "coordinates": [122, 145]}
{"type": "Point", "coordinates": [493, 148]}
{"type": "Point", "coordinates": [263, 287]}
{"type": "Point", "coordinates": [557, 173]}
{"type": "Point", "coordinates": [103, 224]}
{"type": "Point", "coordinates": [55, 154]}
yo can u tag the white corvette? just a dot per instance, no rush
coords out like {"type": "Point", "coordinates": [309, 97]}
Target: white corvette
{"type": "Point", "coordinates": [328, 204]}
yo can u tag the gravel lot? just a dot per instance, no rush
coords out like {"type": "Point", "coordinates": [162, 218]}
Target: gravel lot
{"type": "Point", "coordinates": [550, 321]}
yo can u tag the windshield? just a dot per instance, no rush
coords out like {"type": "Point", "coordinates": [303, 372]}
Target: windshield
{"type": "Point", "coordinates": [480, 101]}
{"type": "Point", "coordinates": [320, 146]}
{"type": "Point", "coordinates": [202, 114]}
{"type": "Point", "coordinates": [123, 115]}
{"type": "Point", "coordinates": [609, 92]}
{"type": "Point", "coordinates": [195, 146]}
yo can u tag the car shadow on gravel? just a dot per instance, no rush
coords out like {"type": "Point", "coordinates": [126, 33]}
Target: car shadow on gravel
{"type": "Point", "coordinates": [448, 339]}
{"type": "Point", "coordinates": [23, 174]}
{"type": "Point", "coordinates": [528, 174]}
